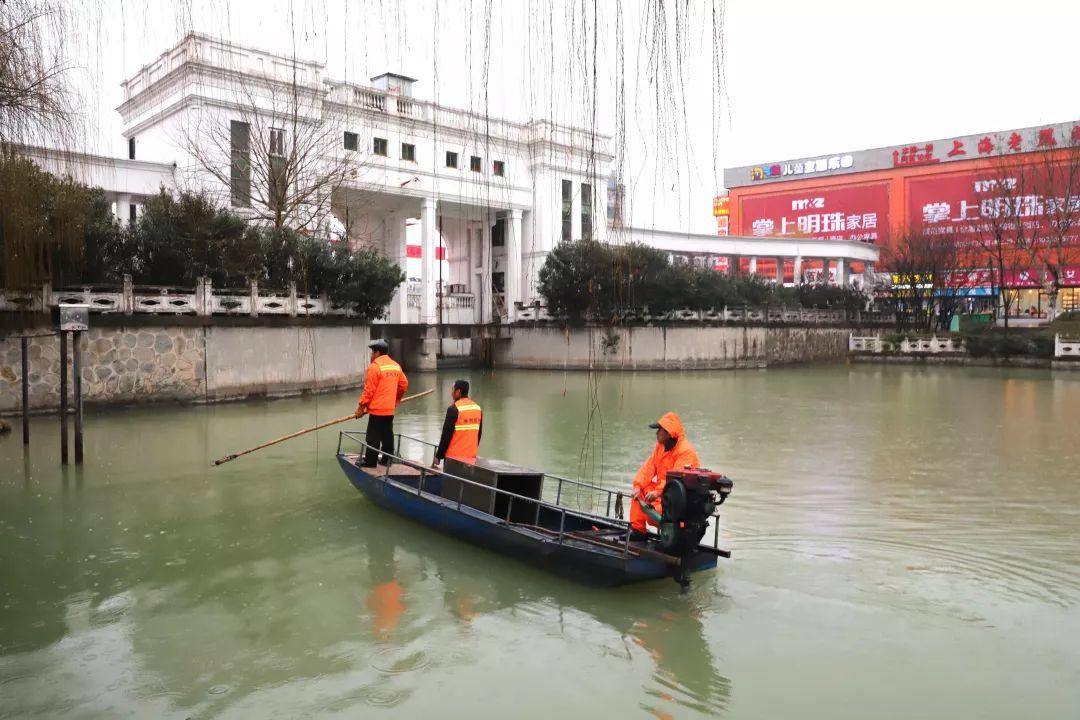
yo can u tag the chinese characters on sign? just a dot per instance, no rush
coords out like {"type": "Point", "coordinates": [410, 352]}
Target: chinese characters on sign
{"type": "Point", "coordinates": [851, 213]}
{"type": "Point", "coordinates": [914, 155]}
{"type": "Point", "coordinates": [803, 167]}
{"type": "Point", "coordinates": [959, 205]}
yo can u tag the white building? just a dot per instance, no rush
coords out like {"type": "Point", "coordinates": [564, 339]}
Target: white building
{"type": "Point", "coordinates": [500, 193]}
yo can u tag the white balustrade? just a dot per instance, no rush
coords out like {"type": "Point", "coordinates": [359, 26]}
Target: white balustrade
{"type": "Point", "coordinates": [1066, 347]}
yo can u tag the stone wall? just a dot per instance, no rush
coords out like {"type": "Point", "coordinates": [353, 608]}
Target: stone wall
{"type": "Point", "coordinates": [190, 363]}
{"type": "Point", "coordinates": [665, 348]}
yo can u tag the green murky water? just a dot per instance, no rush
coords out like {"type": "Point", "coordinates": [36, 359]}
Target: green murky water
{"type": "Point", "coordinates": [906, 544]}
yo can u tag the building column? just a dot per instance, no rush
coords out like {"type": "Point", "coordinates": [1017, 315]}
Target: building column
{"type": "Point", "coordinates": [780, 270]}
{"type": "Point", "coordinates": [753, 265]}
{"type": "Point", "coordinates": [395, 248]}
{"type": "Point", "coordinates": [428, 230]}
{"type": "Point", "coordinates": [123, 209]}
{"type": "Point", "coordinates": [798, 270]}
{"type": "Point", "coordinates": [841, 272]}
{"type": "Point", "coordinates": [486, 299]}
{"type": "Point", "coordinates": [513, 263]}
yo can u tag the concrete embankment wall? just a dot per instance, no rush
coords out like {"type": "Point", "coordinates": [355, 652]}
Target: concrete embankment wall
{"type": "Point", "coordinates": [196, 363]}
{"type": "Point", "coordinates": [660, 348]}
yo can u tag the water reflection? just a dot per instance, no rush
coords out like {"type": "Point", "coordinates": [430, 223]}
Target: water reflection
{"type": "Point", "coordinates": [653, 621]}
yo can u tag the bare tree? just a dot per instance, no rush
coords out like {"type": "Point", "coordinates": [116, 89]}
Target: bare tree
{"type": "Point", "coordinates": [998, 227]}
{"type": "Point", "coordinates": [1056, 243]}
{"type": "Point", "coordinates": [37, 103]}
{"type": "Point", "coordinates": [277, 152]}
{"type": "Point", "coordinates": [924, 267]}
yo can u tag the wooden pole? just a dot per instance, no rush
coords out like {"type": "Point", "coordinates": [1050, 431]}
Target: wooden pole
{"type": "Point", "coordinates": [298, 433]}
{"type": "Point", "coordinates": [63, 398]}
{"type": "Point", "coordinates": [25, 391]}
{"type": "Point", "coordinates": [76, 385]}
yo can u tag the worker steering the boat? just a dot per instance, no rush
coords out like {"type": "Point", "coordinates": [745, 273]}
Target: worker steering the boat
{"type": "Point", "coordinates": [384, 386]}
{"type": "Point", "coordinates": [462, 427]}
{"type": "Point", "coordinates": [672, 452]}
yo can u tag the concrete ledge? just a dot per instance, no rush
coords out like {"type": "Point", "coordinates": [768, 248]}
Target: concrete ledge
{"type": "Point", "coordinates": [952, 359]}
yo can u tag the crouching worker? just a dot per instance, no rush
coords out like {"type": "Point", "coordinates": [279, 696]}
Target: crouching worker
{"type": "Point", "coordinates": [384, 386]}
{"type": "Point", "coordinates": [672, 452]}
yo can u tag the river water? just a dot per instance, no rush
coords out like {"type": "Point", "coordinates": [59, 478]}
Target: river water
{"type": "Point", "coordinates": [906, 543]}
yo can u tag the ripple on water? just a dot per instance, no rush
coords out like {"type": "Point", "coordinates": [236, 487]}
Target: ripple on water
{"type": "Point", "coordinates": [1018, 576]}
{"type": "Point", "coordinates": [395, 661]}
{"type": "Point", "coordinates": [371, 695]}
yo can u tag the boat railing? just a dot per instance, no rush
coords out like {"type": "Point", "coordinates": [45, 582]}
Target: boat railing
{"type": "Point", "coordinates": [613, 497]}
{"type": "Point", "coordinates": [426, 471]}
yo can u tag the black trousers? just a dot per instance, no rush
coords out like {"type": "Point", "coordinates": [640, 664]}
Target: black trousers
{"type": "Point", "coordinates": [380, 436]}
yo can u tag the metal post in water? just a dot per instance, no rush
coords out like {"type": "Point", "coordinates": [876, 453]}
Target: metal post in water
{"type": "Point", "coordinates": [76, 386]}
{"type": "Point", "coordinates": [25, 391]}
{"type": "Point", "coordinates": [63, 398]}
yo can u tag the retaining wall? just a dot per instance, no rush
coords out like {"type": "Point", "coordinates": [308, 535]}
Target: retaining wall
{"type": "Point", "coordinates": [146, 363]}
{"type": "Point", "coordinates": [666, 348]}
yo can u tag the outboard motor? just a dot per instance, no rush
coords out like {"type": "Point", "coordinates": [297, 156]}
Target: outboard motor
{"type": "Point", "coordinates": [690, 497]}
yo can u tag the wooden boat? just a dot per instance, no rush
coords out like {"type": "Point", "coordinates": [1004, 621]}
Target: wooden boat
{"type": "Point", "coordinates": [501, 506]}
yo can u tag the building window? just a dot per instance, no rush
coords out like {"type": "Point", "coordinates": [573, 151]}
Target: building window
{"type": "Point", "coordinates": [498, 233]}
{"type": "Point", "coordinates": [451, 159]}
{"type": "Point", "coordinates": [133, 214]}
{"type": "Point", "coordinates": [380, 147]}
{"type": "Point", "coordinates": [499, 168]}
{"type": "Point", "coordinates": [586, 211]}
{"type": "Point", "coordinates": [567, 209]}
{"type": "Point", "coordinates": [408, 152]}
{"type": "Point", "coordinates": [352, 141]}
{"type": "Point", "coordinates": [277, 142]}
{"type": "Point", "coordinates": [475, 164]}
{"type": "Point", "coordinates": [131, 148]}
{"type": "Point", "coordinates": [240, 171]}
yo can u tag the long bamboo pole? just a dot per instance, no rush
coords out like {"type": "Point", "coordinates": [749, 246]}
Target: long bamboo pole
{"type": "Point", "coordinates": [298, 433]}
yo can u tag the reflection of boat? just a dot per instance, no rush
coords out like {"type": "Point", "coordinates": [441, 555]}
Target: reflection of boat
{"type": "Point", "coordinates": [501, 506]}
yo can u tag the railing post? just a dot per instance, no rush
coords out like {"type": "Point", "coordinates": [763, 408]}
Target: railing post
{"type": "Point", "coordinates": [128, 295]}
{"type": "Point", "coordinates": [292, 298]}
{"type": "Point", "coordinates": [419, 485]}
{"type": "Point", "coordinates": [46, 296]}
{"type": "Point", "coordinates": [562, 524]}
{"type": "Point", "coordinates": [558, 492]}
{"type": "Point", "coordinates": [76, 386]}
{"type": "Point", "coordinates": [254, 298]}
{"type": "Point", "coordinates": [63, 398]}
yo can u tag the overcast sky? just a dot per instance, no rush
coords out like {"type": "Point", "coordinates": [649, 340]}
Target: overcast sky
{"type": "Point", "coordinates": [801, 78]}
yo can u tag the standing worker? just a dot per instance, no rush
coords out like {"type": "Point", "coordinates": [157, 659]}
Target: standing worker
{"type": "Point", "coordinates": [463, 426]}
{"type": "Point", "coordinates": [384, 385]}
{"type": "Point", "coordinates": [672, 452]}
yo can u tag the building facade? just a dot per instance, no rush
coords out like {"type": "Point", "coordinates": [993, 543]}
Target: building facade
{"type": "Point", "coordinates": [272, 136]}
{"type": "Point", "coordinates": [951, 187]}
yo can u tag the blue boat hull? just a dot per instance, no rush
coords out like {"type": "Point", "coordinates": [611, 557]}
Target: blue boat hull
{"type": "Point", "coordinates": [590, 565]}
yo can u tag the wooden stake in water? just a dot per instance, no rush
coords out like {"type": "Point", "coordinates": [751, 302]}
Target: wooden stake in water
{"type": "Point", "coordinates": [63, 398]}
{"type": "Point", "coordinates": [76, 383]}
{"type": "Point", "coordinates": [25, 391]}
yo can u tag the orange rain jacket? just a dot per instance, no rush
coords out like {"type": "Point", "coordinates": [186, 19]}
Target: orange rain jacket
{"type": "Point", "coordinates": [653, 474]}
{"type": "Point", "coordinates": [384, 385]}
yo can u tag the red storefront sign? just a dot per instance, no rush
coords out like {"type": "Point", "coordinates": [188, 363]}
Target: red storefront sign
{"type": "Point", "coordinates": [858, 213]}
{"type": "Point", "coordinates": [415, 251]}
{"type": "Point", "coordinates": [958, 205]}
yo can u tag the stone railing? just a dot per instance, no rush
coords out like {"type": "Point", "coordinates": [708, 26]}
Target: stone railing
{"type": "Point", "coordinates": [918, 345]}
{"type": "Point", "coordinates": [1068, 348]}
{"type": "Point", "coordinates": [747, 314]}
{"type": "Point", "coordinates": [205, 300]}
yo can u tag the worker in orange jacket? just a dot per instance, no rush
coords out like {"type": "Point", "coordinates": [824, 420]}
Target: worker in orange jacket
{"type": "Point", "coordinates": [672, 452]}
{"type": "Point", "coordinates": [384, 386]}
{"type": "Point", "coordinates": [463, 426]}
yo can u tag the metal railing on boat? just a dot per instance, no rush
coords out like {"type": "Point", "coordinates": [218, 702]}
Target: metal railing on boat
{"type": "Point", "coordinates": [426, 470]}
